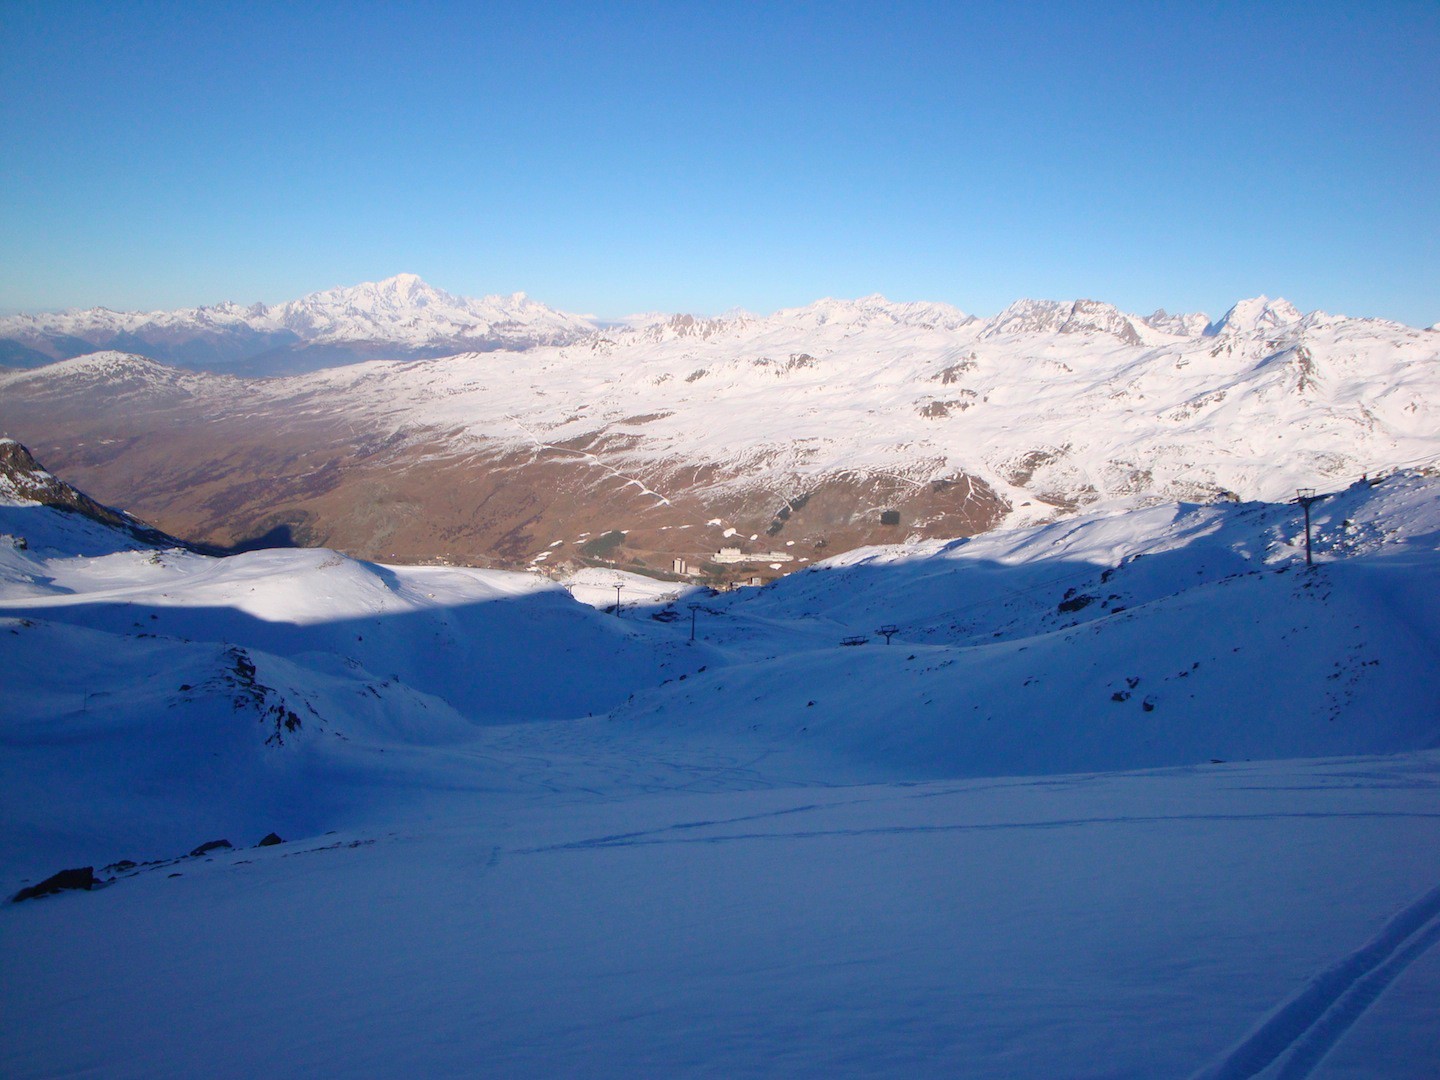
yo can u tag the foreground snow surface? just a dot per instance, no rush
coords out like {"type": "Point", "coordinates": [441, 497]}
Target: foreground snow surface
{"type": "Point", "coordinates": [1143, 924]}
{"type": "Point", "coordinates": [530, 838]}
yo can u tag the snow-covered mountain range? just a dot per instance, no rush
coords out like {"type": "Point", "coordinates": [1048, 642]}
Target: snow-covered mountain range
{"type": "Point", "coordinates": [809, 430]}
{"type": "Point", "coordinates": [403, 317]}
{"type": "Point", "coordinates": [1133, 793]}
{"type": "Point", "coordinates": [399, 318]}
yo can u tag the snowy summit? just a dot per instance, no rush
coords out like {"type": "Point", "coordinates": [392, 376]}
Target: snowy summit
{"type": "Point", "coordinates": [399, 318]}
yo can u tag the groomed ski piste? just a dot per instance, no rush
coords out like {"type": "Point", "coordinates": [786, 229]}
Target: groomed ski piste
{"type": "Point", "coordinates": [1134, 794]}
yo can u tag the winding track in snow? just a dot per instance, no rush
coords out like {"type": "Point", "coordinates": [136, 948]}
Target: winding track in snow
{"type": "Point", "coordinates": [592, 459]}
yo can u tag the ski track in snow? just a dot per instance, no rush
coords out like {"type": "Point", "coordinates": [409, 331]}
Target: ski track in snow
{"type": "Point", "coordinates": [1297, 1036]}
{"type": "Point", "coordinates": [659, 837]}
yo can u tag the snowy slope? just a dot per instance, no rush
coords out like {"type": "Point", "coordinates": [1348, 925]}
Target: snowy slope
{"type": "Point", "coordinates": [1046, 403]}
{"type": "Point", "coordinates": [1129, 925]}
{"type": "Point", "coordinates": [1166, 636]}
{"type": "Point", "coordinates": [147, 656]}
{"type": "Point", "coordinates": [976, 851]}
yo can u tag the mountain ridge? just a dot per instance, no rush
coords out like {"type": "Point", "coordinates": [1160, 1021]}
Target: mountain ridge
{"type": "Point", "coordinates": [401, 317]}
{"type": "Point", "coordinates": [405, 318]}
{"type": "Point", "coordinates": [810, 430]}
{"type": "Point", "coordinates": [23, 480]}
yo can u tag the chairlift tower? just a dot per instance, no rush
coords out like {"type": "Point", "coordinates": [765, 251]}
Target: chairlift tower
{"type": "Point", "coordinates": [693, 609]}
{"type": "Point", "coordinates": [1306, 496]}
{"type": "Point", "coordinates": [618, 586]}
{"type": "Point", "coordinates": [889, 630]}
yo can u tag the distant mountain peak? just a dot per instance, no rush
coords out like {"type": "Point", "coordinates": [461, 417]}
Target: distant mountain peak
{"type": "Point", "coordinates": [1066, 317]}
{"type": "Point", "coordinates": [1257, 313]}
{"type": "Point", "coordinates": [402, 290]}
{"type": "Point", "coordinates": [398, 318]}
{"type": "Point", "coordinates": [1189, 324]}
{"type": "Point", "coordinates": [872, 310]}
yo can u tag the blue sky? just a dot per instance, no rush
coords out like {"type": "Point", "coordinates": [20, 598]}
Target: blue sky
{"type": "Point", "coordinates": [611, 158]}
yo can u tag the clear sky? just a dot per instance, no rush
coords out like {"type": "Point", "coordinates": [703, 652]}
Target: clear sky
{"type": "Point", "coordinates": [613, 158]}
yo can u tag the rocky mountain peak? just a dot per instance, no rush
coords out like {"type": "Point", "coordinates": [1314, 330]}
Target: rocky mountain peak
{"type": "Point", "coordinates": [1065, 317]}
{"type": "Point", "coordinates": [23, 478]}
{"type": "Point", "coordinates": [1190, 324]}
{"type": "Point", "coordinates": [1259, 313]}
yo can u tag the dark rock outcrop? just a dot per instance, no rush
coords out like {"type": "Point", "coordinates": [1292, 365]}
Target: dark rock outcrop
{"type": "Point", "coordinates": [81, 878]}
{"type": "Point", "coordinates": [26, 478]}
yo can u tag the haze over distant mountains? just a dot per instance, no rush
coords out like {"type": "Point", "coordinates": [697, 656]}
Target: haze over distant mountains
{"type": "Point", "coordinates": [399, 318]}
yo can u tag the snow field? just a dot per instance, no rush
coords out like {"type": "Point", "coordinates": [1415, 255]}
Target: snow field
{"type": "Point", "coordinates": [1119, 925]}
{"type": "Point", "coordinates": [528, 838]}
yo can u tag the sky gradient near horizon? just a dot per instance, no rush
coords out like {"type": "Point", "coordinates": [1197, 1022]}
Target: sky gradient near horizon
{"type": "Point", "coordinates": [612, 158]}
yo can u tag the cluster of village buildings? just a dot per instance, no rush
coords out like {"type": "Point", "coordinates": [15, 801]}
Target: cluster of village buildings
{"type": "Point", "coordinates": [733, 556]}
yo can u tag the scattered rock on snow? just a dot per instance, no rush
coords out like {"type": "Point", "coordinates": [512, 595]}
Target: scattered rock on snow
{"type": "Point", "coordinates": [211, 846]}
{"type": "Point", "coordinates": [1075, 603]}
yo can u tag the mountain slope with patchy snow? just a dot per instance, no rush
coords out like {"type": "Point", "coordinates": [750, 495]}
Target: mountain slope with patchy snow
{"type": "Point", "coordinates": [1064, 408]}
{"type": "Point", "coordinates": [819, 428]}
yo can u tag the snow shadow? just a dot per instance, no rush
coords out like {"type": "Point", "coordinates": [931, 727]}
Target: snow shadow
{"type": "Point", "coordinates": [534, 656]}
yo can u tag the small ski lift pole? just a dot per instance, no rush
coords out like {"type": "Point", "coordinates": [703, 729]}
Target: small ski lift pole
{"type": "Point", "coordinates": [1306, 496]}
